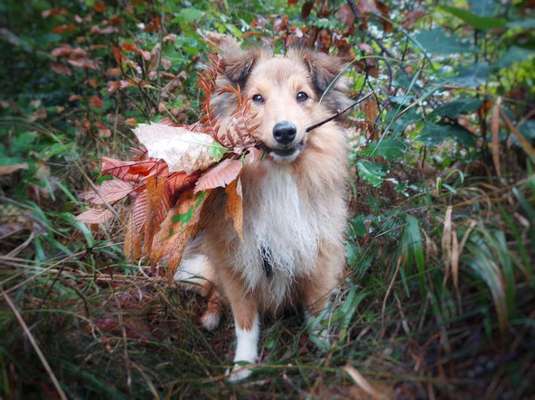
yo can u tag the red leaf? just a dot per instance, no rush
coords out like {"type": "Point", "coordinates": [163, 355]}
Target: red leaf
{"type": "Point", "coordinates": [177, 182]}
{"type": "Point", "coordinates": [220, 175]}
{"type": "Point", "coordinates": [60, 69]}
{"type": "Point", "coordinates": [64, 28]}
{"type": "Point", "coordinates": [99, 7]}
{"type": "Point", "coordinates": [129, 47]}
{"type": "Point", "coordinates": [62, 51]}
{"type": "Point", "coordinates": [117, 55]}
{"type": "Point", "coordinates": [133, 171]}
{"type": "Point", "coordinates": [95, 216]}
{"type": "Point", "coordinates": [109, 192]}
{"type": "Point", "coordinates": [96, 102]}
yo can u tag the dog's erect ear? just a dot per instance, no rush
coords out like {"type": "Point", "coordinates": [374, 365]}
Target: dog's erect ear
{"type": "Point", "coordinates": [237, 63]}
{"type": "Point", "coordinates": [323, 69]}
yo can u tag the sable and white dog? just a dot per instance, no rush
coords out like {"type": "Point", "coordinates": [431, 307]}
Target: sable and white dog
{"type": "Point", "coordinates": [294, 209]}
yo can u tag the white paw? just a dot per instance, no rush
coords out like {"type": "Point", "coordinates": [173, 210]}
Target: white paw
{"type": "Point", "coordinates": [239, 373]}
{"type": "Point", "coordinates": [210, 321]}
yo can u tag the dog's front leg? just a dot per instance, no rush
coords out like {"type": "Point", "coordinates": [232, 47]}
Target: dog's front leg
{"type": "Point", "coordinates": [317, 290]}
{"type": "Point", "coordinates": [247, 326]}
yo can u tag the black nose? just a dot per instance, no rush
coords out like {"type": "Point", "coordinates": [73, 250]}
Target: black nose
{"type": "Point", "coordinates": [284, 132]}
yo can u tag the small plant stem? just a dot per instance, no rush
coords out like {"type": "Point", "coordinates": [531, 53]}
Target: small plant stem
{"type": "Point", "coordinates": [35, 346]}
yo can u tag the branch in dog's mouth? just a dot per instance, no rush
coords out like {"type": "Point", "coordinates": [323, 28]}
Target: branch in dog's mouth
{"type": "Point", "coordinates": [338, 113]}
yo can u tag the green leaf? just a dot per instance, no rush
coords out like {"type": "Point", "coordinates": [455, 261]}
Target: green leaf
{"type": "Point", "coordinates": [188, 215]}
{"type": "Point", "coordinates": [434, 134]}
{"type": "Point", "coordinates": [412, 245]}
{"type": "Point", "coordinates": [457, 107]}
{"type": "Point", "coordinates": [437, 42]}
{"type": "Point", "coordinates": [476, 21]}
{"type": "Point", "coordinates": [514, 55]}
{"type": "Point", "coordinates": [371, 172]}
{"type": "Point", "coordinates": [470, 77]}
{"type": "Point", "coordinates": [188, 15]}
{"type": "Point", "coordinates": [484, 8]}
{"type": "Point", "coordinates": [528, 23]}
{"type": "Point", "coordinates": [217, 151]}
{"type": "Point", "coordinates": [389, 149]}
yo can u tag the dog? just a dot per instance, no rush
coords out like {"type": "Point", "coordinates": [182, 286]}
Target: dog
{"type": "Point", "coordinates": [294, 199]}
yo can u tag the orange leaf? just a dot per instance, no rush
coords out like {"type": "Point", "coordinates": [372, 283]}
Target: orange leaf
{"type": "Point", "coordinates": [170, 242]}
{"type": "Point", "coordinates": [95, 216]}
{"type": "Point", "coordinates": [129, 47]}
{"type": "Point", "coordinates": [99, 7]}
{"type": "Point", "coordinates": [132, 240]}
{"type": "Point", "coordinates": [220, 175]}
{"type": "Point", "coordinates": [234, 206]}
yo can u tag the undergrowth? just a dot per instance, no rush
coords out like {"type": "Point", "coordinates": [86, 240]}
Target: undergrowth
{"type": "Point", "coordinates": [438, 299]}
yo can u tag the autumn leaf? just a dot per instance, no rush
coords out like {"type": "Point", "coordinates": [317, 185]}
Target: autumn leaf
{"type": "Point", "coordinates": [95, 216]}
{"type": "Point", "coordinates": [96, 102]}
{"type": "Point", "coordinates": [11, 168]}
{"type": "Point", "coordinates": [219, 176]}
{"type": "Point", "coordinates": [132, 171]}
{"type": "Point", "coordinates": [176, 231]}
{"type": "Point", "coordinates": [234, 205]}
{"type": "Point", "coordinates": [109, 192]}
{"type": "Point", "coordinates": [60, 69]}
{"type": "Point", "coordinates": [182, 149]}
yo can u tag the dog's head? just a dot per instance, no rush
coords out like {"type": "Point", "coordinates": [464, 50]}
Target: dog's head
{"type": "Point", "coordinates": [285, 93]}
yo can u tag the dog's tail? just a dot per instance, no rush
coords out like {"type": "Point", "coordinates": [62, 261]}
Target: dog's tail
{"type": "Point", "coordinates": [195, 271]}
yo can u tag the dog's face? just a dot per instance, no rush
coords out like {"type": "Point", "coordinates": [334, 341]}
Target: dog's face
{"type": "Point", "coordinates": [284, 92]}
{"type": "Point", "coordinates": [283, 98]}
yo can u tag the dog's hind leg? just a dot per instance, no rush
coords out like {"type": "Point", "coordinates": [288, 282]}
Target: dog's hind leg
{"type": "Point", "coordinates": [212, 315]}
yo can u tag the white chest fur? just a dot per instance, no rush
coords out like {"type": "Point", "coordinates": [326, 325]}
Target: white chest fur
{"type": "Point", "coordinates": [280, 219]}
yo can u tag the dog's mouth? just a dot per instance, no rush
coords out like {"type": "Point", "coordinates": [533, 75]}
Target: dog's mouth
{"type": "Point", "coordinates": [288, 153]}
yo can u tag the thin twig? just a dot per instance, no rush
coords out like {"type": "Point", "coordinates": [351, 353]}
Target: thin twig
{"type": "Point", "coordinates": [35, 346]}
{"type": "Point", "coordinates": [338, 113]}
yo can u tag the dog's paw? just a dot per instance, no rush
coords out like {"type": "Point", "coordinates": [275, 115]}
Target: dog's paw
{"type": "Point", "coordinates": [239, 373]}
{"type": "Point", "coordinates": [210, 321]}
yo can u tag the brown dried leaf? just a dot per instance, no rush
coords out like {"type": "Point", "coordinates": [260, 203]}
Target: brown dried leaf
{"type": "Point", "coordinates": [220, 175]}
{"type": "Point", "coordinates": [234, 206]}
{"type": "Point", "coordinates": [9, 169]}
{"type": "Point", "coordinates": [95, 216]}
{"type": "Point", "coordinates": [173, 235]}
{"type": "Point", "coordinates": [132, 240]}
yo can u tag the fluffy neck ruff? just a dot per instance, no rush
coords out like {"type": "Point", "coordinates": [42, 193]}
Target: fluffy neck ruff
{"type": "Point", "coordinates": [280, 229]}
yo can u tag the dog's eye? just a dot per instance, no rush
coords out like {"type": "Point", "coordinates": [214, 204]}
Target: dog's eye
{"type": "Point", "coordinates": [257, 98]}
{"type": "Point", "coordinates": [301, 97]}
